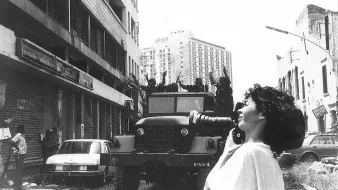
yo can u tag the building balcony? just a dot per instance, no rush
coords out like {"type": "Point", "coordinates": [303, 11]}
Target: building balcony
{"type": "Point", "coordinates": [54, 27]}
{"type": "Point", "coordinates": [108, 18]}
{"type": "Point", "coordinates": [24, 56]}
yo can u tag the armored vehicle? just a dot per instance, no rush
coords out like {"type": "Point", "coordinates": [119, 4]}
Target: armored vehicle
{"type": "Point", "coordinates": [166, 148]}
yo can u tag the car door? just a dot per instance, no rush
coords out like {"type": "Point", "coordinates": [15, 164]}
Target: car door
{"type": "Point", "coordinates": [323, 145]}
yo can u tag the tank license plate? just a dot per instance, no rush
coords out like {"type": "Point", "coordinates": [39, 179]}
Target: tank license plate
{"type": "Point", "coordinates": [202, 164]}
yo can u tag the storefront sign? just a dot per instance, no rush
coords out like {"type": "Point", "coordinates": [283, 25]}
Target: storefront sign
{"type": "Point", "coordinates": [67, 71]}
{"type": "Point", "coordinates": [35, 54]}
{"type": "Point", "coordinates": [44, 59]}
{"type": "Point", "coordinates": [319, 111]}
{"type": "Point", "coordinates": [323, 60]}
{"type": "Point", "coordinates": [86, 80]}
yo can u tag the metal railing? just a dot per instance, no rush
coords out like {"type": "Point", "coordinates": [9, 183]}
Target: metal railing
{"type": "Point", "coordinates": [56, 9]}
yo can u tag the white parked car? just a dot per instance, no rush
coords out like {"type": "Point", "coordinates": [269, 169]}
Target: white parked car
{"type": "Point", "coordinates": [80, 158]}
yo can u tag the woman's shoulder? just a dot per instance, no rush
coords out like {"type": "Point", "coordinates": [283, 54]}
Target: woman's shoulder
{"type": "Point", "coordinates": [255, 148]}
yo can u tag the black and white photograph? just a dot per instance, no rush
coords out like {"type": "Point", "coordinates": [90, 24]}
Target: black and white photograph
{"type": "Point", "coordinates": [169, 94]}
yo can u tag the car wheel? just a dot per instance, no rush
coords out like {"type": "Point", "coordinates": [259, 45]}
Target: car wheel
{"type": "Point", "coordinates": [126, 178]}
{"type": "Point", "coordinates": [309, 157]}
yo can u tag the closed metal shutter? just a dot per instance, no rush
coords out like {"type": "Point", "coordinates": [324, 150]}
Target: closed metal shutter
{"type": "Point", "coordinates": [24, 100]}
{"type": "Point", "coordinates": [88, 126]}
{"type": "Point", "coordinates": [47, 102]}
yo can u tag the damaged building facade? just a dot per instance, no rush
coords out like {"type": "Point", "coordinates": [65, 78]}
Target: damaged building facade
{"type": "Point", "coordinates": [309, 71]}
{"type": "Point", "coordinates": [63, 65]}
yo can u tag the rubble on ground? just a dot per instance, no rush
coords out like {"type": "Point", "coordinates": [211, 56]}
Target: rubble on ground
{"type": "Point", "coordinates": [326, 165]}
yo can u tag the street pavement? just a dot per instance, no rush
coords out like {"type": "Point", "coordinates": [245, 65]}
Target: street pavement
{"type": "Point", "coordinates": [80, 185]}
{"type": "Point", "coordinates": [33, 181]}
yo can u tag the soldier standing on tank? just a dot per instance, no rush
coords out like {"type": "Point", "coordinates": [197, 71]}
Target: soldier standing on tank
{"type": "Point", "coordinates": [198, 87]}
{"type": "Point", "coordinates": [151, 87]}
{"type": "Point", "coordinates": [224, 98]}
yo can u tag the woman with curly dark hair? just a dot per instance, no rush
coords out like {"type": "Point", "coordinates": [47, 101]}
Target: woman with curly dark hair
{"type": "Point", "coordinates": [272, 123]}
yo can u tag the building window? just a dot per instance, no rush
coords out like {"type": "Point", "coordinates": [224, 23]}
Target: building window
{"type": "Point", "coordinates": [297, 83]}
{"type": "Point", "coordinates": [133, 28]}
{"type": "Point", "coordinates": [79, 22]}
{"type": "Point", "coordinates": [324, 74]}
{"type": "Point", "coordinates": [129, 23]}
{"type": "Point", "coordinates": [130, 69]}
{"type": "Point", "coordinates": [117, 9]}
{"type": "Point", "coordinates": [303, 88]}
{"type": "Point", "coordinates": [327, 35]}
{"type": "Point", "coordinates": [132, 66]}
{"type": "Point", "coordinates": [283, 88]}
{"type": "Point", "coordinates": [137, 71]}
{"type": "Point", "coordinates": [289, 83]}
{"type": "Point", "coordinates": [135, 68]}
{"type": "Point", "coordinates": [96, 38]}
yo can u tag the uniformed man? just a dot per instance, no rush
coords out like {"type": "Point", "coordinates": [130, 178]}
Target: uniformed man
{"type": "Point", "coordinates": [224, 98]}
{"type": "Point", "coordinates": [198, 87]}
{"type": "Point", "coordinates": [151, 87]}
{"type": "Point", "coordinates": [20, 149]}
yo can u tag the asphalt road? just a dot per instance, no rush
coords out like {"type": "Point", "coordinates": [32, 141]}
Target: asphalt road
{"type": "Point", "coordinates": [77, 185]}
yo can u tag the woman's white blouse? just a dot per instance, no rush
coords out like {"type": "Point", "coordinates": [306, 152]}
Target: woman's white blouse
{"type": "Point", "coordinates": [251, 167]}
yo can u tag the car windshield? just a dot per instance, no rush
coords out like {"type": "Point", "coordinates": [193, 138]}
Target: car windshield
{"type": "Point", "coordinates": [167, 104]}
{"type": "Point", "coordinates": [161, 105]}
{"type": "Point", "coordinates": [308, 139]}
{"type": "Point", "coordinates": [79, 147]}
{"type": "Point", "coordinates": [186, 104]}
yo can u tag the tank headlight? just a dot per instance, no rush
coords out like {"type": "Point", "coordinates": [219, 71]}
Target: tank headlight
{"type": "Point", "coordinates": [140, 131]}
{"type": "Point", "coordinates": [184, 132]}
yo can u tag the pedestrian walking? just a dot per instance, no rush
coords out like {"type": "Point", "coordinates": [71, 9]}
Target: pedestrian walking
{"type": "Point", "coordinates": [272, 124]}
{"type": "Point", "coordinates": [20, 149]}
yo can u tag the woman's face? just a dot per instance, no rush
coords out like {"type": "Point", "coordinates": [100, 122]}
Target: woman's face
{"type": "Point", "coordinates": [249, 116]}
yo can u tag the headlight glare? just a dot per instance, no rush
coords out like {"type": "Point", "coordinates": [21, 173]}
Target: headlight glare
{"type": "Point", "coordinates": [140, 131]}
{"type": "Point", "coordinates": [184, 132]}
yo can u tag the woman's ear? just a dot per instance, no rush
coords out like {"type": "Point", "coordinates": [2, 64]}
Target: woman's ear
{"type": "Point", "coordinates": [261, 116]}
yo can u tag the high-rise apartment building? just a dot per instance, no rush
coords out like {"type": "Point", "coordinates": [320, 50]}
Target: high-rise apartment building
{"type": "Point", "coordinates": [63, 65]}
{"type": "Point", "coordinates": [182, 54]}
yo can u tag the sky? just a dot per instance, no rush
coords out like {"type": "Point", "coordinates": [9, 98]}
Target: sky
{"type": "Point", "coordinates": [237, 25]}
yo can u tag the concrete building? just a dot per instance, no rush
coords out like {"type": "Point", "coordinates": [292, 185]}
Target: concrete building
{"type": "Point", "coordinates": [63, 65]}
{"type": "Point", "coordinates": [182, 53]}
{"type": "Point", "coordinates": [309, 72]}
